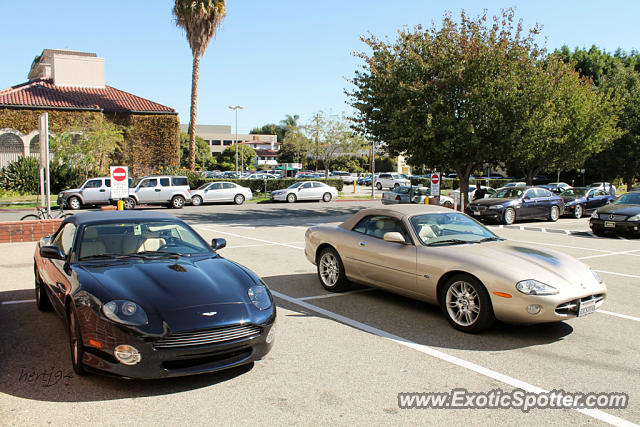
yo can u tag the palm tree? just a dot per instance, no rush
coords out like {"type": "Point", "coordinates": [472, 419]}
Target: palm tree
{"type": "Point", "coordinates": [200, 19]}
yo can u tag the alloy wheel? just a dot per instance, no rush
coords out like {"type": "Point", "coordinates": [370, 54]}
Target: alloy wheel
{"type": "Point", "coordinates": [463, 303]}
{"type": "Point", "coordinates": [329, 270]}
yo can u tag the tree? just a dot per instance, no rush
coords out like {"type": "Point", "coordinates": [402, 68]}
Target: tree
{"type": "Point", "coordinates": [443, 96]}
{"type": "Point", "coordinates": [203, 153]}
{"type": "Point", "coordinates": [200, 19]}
{"type": "Point", "coordinates": [227, 158]}
{"type": "Point", "coordinates": [280, 130]}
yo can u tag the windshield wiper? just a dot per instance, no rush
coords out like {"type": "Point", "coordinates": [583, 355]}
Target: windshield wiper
{"type": "Point", "coordinates": [489, 239]}
{"type": "Point", "coordinates": [159, 254]}
{"type": "Point", "coordinates": [449, 242]}
{"type": "Point", "coordinates": [108, 255]}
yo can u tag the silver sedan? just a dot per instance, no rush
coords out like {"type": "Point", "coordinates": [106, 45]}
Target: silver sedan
{"type": "Point", "coordinates": [305, 190]}
{"type": "Point", "coordinates": [219, 192]}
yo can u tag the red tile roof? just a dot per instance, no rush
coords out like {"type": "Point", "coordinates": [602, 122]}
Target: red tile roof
{"type": "Point", "coordinates": [44, 94]}
{"type": "Point", "coordinates": [266, 153]}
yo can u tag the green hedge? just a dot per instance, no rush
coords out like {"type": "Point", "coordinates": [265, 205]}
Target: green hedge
{"type": "Point", "coordinates": [258, 185]}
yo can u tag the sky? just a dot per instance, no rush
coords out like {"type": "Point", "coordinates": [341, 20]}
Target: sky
{"type": "Point", "coordinates": [274, 57]}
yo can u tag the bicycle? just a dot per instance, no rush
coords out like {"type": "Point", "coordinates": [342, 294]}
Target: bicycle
{"type": "Point", "coordinates": [42, 213]}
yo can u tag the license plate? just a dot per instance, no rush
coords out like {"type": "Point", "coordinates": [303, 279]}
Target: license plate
{"type": "Point", "coordinates": [587, 307]}
{"type": "Point", "coordinates": [476, 213]}
{"type": "Point", "coordinates": [610, 224]}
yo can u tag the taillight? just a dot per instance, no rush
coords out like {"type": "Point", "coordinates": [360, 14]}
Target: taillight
{"type": "Point", "coordinates": [398, 198]}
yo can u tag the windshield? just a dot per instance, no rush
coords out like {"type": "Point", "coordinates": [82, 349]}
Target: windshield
{"type": "Point", "coordinates": [445, 228]}
{"type": "Point", "coordinates": [575, 192]}
{"type": "Point", "coordinates": [296, 185]}
{"type": "Point", "coordinates": [629, 199]}
{"type": "Point", "coordinates": [140, 239]}
{"type": "Point", "coordinates": [203, 186]}
{"type": "Point", "coordinates": [508, 193]}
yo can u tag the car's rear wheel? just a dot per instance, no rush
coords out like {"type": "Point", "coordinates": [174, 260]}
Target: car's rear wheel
{"type": "Point", "coordinates": [74, 203]}
{"type": "Point", "coordinates": [331, 271]}
{"type": "Point", "coordinates": [326, 197]}
{"type": "Point", "coordinates": [129, 203]}
{"type": "Point", "coordinates": [291, 198]}
{"type": "Point", "coordinates": [177, 202]}
{"type": "Point", "coordinates": [379, 186]}
{"type": "Point", "coordinates": [554, 213]}
{"type": "Point", "coordinates": [196, 200]}
{"type": "Point", "coordinates": [42, 300]}
{"type": "Point", "coordinates": [577, 211]}
{"type": "Point", "coordinates": [509, 216]}
{"type": "Point", "coordinates": [396, 185]}
{"type": "Point", "coordinates": [466, 304]}
{"type": "Point", "coordinates": [239, 199]}
{"type": "Point", "coordinates": [75, 342]}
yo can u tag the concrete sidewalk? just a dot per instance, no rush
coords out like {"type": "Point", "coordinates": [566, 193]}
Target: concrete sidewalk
{"type": "Point", "coordinates": [16, 266]}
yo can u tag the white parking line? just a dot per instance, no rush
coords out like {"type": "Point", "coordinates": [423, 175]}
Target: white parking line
{"type": "Point", "coordinates": [610, 254]}
{"type": "Point", "coordinates": [262, 244]}
{"type": "Point", "coordinates": [21, 301]}
{"type": "Point", "coordinates": [357, 291]}
{"type": "Point", "coordinates": [624, 316]}
{"type": "Point", "coordinates": [617, 274]}
{"type": "Point", "coordinates": [516, 383]}
{"type": "Point", "coordinates": [253, 238]}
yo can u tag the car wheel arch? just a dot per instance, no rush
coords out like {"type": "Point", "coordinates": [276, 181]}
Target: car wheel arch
{"type": "Point", "coordinates": [445, 278]}
{"type": "Point", "coordinates": [322, 247]}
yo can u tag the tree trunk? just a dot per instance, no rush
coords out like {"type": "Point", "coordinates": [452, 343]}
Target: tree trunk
{"type": "Point", "coordinates": [529, 174]}
{"type": "Point", "coordinates": [195, 72]}
{"type": "Point", "coordinates": [629, 181]}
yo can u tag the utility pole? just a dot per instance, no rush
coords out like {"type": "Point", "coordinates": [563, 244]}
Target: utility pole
{"type": "Point", "coordinates": [236, 108]}
{"type": "Point", "coordinates": [317, 119]}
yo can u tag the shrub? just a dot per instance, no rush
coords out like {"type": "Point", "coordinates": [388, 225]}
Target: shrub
{"type": "Point", "coordinates": [21, 175]}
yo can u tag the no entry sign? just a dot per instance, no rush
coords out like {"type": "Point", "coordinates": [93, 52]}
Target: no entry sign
{"type": "Point", "coordinates": [435, 184]}
{"type": "Point", "coordinates": [119, 182]}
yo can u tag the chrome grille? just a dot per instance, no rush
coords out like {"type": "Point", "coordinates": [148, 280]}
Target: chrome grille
{"type": "Point", "coordinates": [209, 336]}
{"type": "Point", "coordinates": [610, 217]}
{"type": "Point", "coordinates": [571, 307]}
{"type": "Point", "coordinates": [477, 208]}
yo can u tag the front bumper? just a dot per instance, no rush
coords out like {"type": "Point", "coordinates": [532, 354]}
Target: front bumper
{"type": "Point", "coordinates": [485, 214]}
{"type": "Point", "coordinates": [282, 197]}
{"type": "Point", "coordinates": [619, 226]}
{"type": "Point", "coordinates": [170, 362]}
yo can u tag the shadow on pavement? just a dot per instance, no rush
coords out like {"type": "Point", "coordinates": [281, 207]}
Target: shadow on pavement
{"type": "Point", "coordinates": [35, 362]}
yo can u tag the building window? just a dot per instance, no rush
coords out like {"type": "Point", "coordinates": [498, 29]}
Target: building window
{"type": "Point", "coordinates": [227, 142]}
{"type": "Point", "coordinates": [216, 142]}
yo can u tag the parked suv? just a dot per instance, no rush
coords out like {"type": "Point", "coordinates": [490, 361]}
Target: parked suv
{"type": "Point", "coordinates": [347, 178]}
{"type": "Point", "coordinates": [172, 191]}
{"type": "Point", "coordinates": [391, 180]}
{"type": "Point", "coordinates": [94, 191]}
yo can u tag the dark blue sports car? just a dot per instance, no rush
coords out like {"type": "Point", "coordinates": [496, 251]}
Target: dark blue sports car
{"type": "Point", "coordinates": [144, 296]}
{"type": "Point", "coordinates": [580, 200]}
{"type": "Point", "coordinates": [509, 204]}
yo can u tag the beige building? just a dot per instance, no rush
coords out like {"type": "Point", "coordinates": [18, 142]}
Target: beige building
{"type": "Point", "coordinates": [220, 137]}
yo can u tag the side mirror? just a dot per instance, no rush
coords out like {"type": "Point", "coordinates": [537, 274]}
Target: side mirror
{"type": "Point", "coordinates": [52, 252]}
{"type": "Point", "coordinates": [394, 237]}
{"type": "Point", "coordinates": [218, 243]}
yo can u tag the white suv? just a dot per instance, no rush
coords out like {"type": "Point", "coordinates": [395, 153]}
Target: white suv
{"type": "Point", "coordinates": [346, 177]}
{"type": "Point", "coordinates": [391, 180]}
{"type": "Point", "coordinates": [173, 191]}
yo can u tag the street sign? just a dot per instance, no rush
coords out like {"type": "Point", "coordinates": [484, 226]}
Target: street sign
{"type": "Point", "coordinates": [119, 182]}
{"type": "Point", "coordinates": [435, 184]}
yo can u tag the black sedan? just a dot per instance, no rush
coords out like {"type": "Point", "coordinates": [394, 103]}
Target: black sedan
{"type": "Point", "coordinates": [509, 204]}
{"type": "Point", "coordinates": [621, 216]}
{"type": "Point", "coordinates": [580, 200]}
{"type": "Point", "coordinates": [144, 296]}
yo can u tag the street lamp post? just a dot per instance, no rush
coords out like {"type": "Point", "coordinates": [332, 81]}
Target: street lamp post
{"type": "Point", "coordinates": [236, 108]}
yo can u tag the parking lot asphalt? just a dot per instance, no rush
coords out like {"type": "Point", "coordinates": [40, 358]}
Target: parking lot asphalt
{"type": "Point", "coordinates": [338, 358]}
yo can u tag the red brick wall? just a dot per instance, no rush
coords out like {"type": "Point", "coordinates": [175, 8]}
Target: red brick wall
{"type": "Point", "coordinates": [27, 231]}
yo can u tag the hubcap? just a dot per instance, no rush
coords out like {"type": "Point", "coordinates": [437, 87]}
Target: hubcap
{"type": "Point", "coordinates": [239, 200]}
{"type": "Point", "coordinates": [578, 211]}
{"type": "Point", "coordinates": [177, 202]}
{"type": "Point", "coordinates": [329, 270]}
{"type": "Point", "coordinates": [74, 203]}
{"type": "Point", "coordinates": [463, 303]}
{"type": "Point", "coordinates": [197, 201]}
{"type": "Point", "coordinates": [508, 216]}
{"type": "Point", "coordinates": [554, 213]}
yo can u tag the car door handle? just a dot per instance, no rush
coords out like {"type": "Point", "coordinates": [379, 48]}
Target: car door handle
{"type": "Point", "coordinates": [363, 243]}
{"type": "Point", "coordinates": [103, 190]}
{"type": "Point", "coordinates": [157, 190]}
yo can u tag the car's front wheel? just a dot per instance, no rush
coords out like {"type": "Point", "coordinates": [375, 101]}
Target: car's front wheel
{"type": "Point", "coordinates": [577, 211]}
{"type": "Point", "coordinates": [291, 198]}
{"type": "Point", "coordinates": [75, 342]}
{"type": "Point", "coordinates": [554, 213]}
{"type": "Point", "coordinates": [331, 271]}
{"type": "Point", "coordinates": [42, 300]}
{"type": "Point", "coordinates": [74, 203]}
{"type": "Point", "coordinates": [466, 304]}
{"type": "Point", "coordinates": [196, 200]}
{"type": "Point", "coordinates": [379, 186]}
{"type": "Point", "coordinates": [239, 199]}
{"type": "Point", "coordinates": [177, 202]}
{"type": "Point", "coordinates": [509, 216]}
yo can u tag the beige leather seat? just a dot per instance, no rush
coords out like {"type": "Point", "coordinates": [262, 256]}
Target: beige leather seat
{"type": "Point", "coordinates": [426, 233]}
{"type": "Point", "coordinates": [91, 245]}
{"type": "Point", "coordinates": [151, 244]}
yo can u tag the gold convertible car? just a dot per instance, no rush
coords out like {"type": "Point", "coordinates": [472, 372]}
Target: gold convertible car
{"type": "Point", "coordinates": [445, 257]}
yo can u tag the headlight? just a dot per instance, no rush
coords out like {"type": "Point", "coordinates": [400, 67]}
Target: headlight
{"type": "Point", "coordinates": [594, 214]}
{"type": "Point", "coordinates": [259, 297]}
{"type": "Point", "coordinates": [597, 276]}
{"type": "Point", "coordinates": [634, 218]}
{"type": "Point", "coordinates": [125, 312]}
{"type": "Point", "coordinates": [495, 207]}
{"type": "Point", "coordinates": [533, 287]}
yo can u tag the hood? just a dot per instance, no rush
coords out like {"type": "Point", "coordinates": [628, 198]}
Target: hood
{"type": "Point", "coordinates": [165, 285]}
{"type": "Point", "coordinates": [71, 190]}
{"type": "Point", "coordinates": [620, 209]}
{"type": "Point", "coordinates": [489, 201]}
{"type": "Point", "coordinates": [515, 262]}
